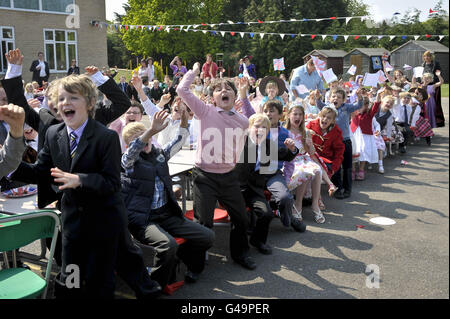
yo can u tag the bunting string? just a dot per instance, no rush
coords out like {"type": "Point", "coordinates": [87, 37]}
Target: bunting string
{"type": "Point", "coordinates": [187, 28]}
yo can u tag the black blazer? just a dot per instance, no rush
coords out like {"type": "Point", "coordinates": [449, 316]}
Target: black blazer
{"type": "Point", "coordinates": [95, 208]}
{"type": "Point", "coordinates": [254, 180]}
{"type": "Point", "coordinates": [44, 119]}
{"type": "Point", "coordinates": [75, 70]}
{"type": "Point", "coordinates": [36, 73]}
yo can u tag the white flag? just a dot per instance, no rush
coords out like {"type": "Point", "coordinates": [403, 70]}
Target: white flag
{"type": "Point", "coordinates": [345, 37]}
{"type": "Point", "coordinates": [223, 33]}
{"type": "Point", "coordinates": [261, 35]}
{"type": "Point", "coordinates": [391, 37]}
{"type": "Point", "coordinates": [242, 34]}
{"type": "Point", "coordinates": [416, 37]}
{"type": "Point", "coordinates": [347, 20]}
{"type": "Point", "coordinates": [282, 35]}
{"type": "Point", "coordinates": [368, 37]}
{"type": "Point", "coordinates": [441, 37]}
{"type": "Point", "coordinates": [324, 36]}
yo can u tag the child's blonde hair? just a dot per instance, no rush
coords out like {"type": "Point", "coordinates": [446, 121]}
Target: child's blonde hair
{"type": "Point", "coordinates": [271, 85]}
{"type": "Point", "coordinates": [131, 130]}
{"type": "Point", "coordinates": [259, 117]}
{"type": "Point", "coordinates": [29, 88]}
{"type": "Point", "coordinates": [427, 76]}
{"type": "Point", "coordinates": [80, 84]}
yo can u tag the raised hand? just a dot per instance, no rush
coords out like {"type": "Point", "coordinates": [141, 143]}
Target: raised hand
{"type": "Point", "coordinates": [91, 70]}
{"type": "Point", "coordinates": [137, 82]}
{"type": "Point", "coordinates": [14, 57]}
{"type": "Point", "coordinates": [184, 115]}
{"type": "Point", "coordinates": [159, 122]}
{"type": "Point", "coordinates": [15, 117]}
{"type": "Point", "coordinates": [165, 99]}
{"type": "Point", "coordinates": [68, 180]}
{"type": "Point", "coordinates": [196, 68]}
{"type": "Point", "coordinates": [290, 144]}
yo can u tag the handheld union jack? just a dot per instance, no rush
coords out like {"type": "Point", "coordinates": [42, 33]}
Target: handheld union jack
{"type": "Point", "coordinates": [319, 64]}
{"type": "Point", "coordinates": [278, 64]}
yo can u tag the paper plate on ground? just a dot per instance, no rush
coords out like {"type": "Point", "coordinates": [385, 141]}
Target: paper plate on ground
{"type": "Point", "coordinates": [22, 191]}
{"type": "Point", "coordinates": [382, 221]}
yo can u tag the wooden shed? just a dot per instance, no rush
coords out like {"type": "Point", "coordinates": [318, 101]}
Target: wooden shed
{"type": "Point", "coordinates": [333, 58]}
{"type": "Point", "coordinates": [411, 53]}
{"type": "Point", "coordinates": [367, 60]}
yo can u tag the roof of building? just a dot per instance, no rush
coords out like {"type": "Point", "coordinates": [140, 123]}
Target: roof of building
{"type": "Point", "coordinates": [433, 46]}
{"type": "Point", "coordinates": [370, 51]}
{"type": "Point", "coordinates": [328, 53]}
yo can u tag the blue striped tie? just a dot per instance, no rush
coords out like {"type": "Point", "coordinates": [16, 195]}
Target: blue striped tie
{"type": "Point", "coordinates": [73, 144]}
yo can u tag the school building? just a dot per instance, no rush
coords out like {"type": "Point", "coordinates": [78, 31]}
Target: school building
{"type": "Point", "coordinates": [62, 29]}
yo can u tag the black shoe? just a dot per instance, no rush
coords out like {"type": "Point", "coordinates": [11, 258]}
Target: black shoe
{"type": "Point", "coordinates": [246, 262]}
{"type": "Point", "coordinates": [298, 225]}
{"type": "Point", "coordinates": [403, 150]}
{"type": "Point", "coordinates": [191, 277]}
{"type": "Point", "coordinates": [347, 194]}
{"type": "Point", "coordinates": [339, 194]}
{"type": "Point", "coordinates": [262, 248]}
{"type": "Point", "coordinates": [153, 293]}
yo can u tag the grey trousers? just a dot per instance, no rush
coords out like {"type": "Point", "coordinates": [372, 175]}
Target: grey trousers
{"type": "Point", "coordinates": [159, 233]}
{"type": "Point", "coordinates": [276, 184]}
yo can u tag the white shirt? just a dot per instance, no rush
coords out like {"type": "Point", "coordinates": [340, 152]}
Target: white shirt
{"type": "Point", "coordinates": [399, 113]}
{"type": "Point", "coordinates": [42, 73]}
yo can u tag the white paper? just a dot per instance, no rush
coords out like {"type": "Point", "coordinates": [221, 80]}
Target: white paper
{"type": "Point", "coordinates": [329, 76]}
{"type": "Point", "coordinates": [352, 70]}
{"type": "Point", "coordinates": [418, 71]}
{"type": "Point", "coordinates": [370, 79]}
{"type": "Point", "coordinates": [388, 67]}
{"type": "Point", "coordinates": [382, 221]}
{"type": "Point", "coordinates": [302, 89]}
{"type": "Point", "coordinates": [407, 67]}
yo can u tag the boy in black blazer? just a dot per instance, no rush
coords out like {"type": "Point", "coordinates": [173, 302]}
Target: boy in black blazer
{"type": "Point", "coordinates": [80, 160]}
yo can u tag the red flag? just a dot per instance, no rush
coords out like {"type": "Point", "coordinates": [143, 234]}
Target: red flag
{"type": "Point", "coordinates": [432, 11]}
{"type": "Point", "coordinates": [203, 23]}
{"type": "Point", "coordinates": [233, 33]}
{"type": "Point", "coordinates": [126, 28]}
{"type": "Point", "coordinates": [313, 36]}
{"type": "Point", "coordinates": [356, 37]}
{"type": "Point", "coordinates": [259, 21]}
{"type": "Point", "coordinates": [333, 18]}
{"type": "Point", "coordinates": [427, 35]}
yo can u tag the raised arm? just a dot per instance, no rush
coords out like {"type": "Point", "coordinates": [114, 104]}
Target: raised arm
{"type": "Point", "coordinates": [197, 106]}
{"type": "Point", "coordinates": [148, 105]}
{"type": "Point", "coordinates": [441, 79]}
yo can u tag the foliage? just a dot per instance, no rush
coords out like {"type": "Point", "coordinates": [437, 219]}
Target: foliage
{"type": "Point", "coordinates": [193, 46]}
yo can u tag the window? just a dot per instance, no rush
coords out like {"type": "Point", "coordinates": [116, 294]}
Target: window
{"type": "Point", "coordinates": [7, 43]}
{"type": "Point", "coordinates": [60, 49]}
{"type": "Point", "coordinates": [54, 6]}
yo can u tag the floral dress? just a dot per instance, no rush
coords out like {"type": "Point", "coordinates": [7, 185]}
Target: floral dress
{"type": "Point", "coordinates": [304, 168]}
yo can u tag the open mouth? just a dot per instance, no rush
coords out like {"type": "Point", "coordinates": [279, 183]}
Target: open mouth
{"type": "Point", "coordinates": [297, 122]}
{"type": "Point", "coordinates": [69, 113]}
{"type": "Point", "coordinates": [131, 121]}
{"type": "Point", "coordinates": [225, 99]}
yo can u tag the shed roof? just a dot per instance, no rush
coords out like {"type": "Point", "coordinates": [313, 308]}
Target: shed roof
{"type": "Point", "coordinates": [329, 53]}
{"type": "Point", "coordinates": [433, 46]}
{"type": "Point", "coordinates": [370, 51]}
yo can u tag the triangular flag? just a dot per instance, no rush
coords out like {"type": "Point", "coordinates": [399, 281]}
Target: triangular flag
{"type": "Point", "coordinates": [368, 37]}
{"type": "Point", "coordinates": [345, 38]}
{"type": "Point", "coordinates": [427, 36]}
{"type": "Point", "coordinates": [416, 37]}
{"type": "Point", "coordinates": [261, 35]}
{"type": "Point", "coordinates": [333, 18]}
{"type": "Point", "coordinates": [223, 33]}
{"type": "Point", "coordinates": [259, 21]}
{"type": "Point", "coordinates": [213, 25]}
{"type": "Point", "coordinates": [324, 36]}
{"type": "Point", "coordinates": [403, 37]}
{"type": "Point", "coordinates": [313, 36]}
{"type": "Point", "coordinates": [380, 37]}
{"type": "Point", "coordinates": [292, 35]}
{"type": "Point", "coordinates": [441, 37]}
{"type": "Point", "coordinates": [335, 37]}
{"type": "Point", "coordinates": [214, 33]}
{"type": "Point", "coordinates": [282, 35]}
{"type": "Point", "coordinates": [432, 11]}
{"type": "Point", "coordinates": [230, 22]}
{"type": "Point", "coordinates": [251, 34]}
{"type": "Point", "coordinates": [356, 37]}
{"type": "Point", "coordinates": [242, 34]}
{"type": "Point", "coordinates": [319, 20]}
{"type": "Point", "coordinates": [232, 33]}
{"type": "Point", "coordinates": [392, 37]}
{"type": "Point", "coordinates": [195, 26]}
{"type": "Point", "coordinates": [347, 20]}
{"type": "Point", "coordinates": [204, 31]}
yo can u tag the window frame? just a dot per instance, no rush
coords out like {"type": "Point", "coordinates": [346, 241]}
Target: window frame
{"type": "Point", "coordinates": [12, 40]}
{"type": "Point", "coordinates": [66, 45]}
{"type": "Point", "coordinates": [40, 10]}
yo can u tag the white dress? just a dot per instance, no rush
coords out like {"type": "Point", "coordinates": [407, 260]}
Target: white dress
{"type": "Point", "coordinates": [366, 145]}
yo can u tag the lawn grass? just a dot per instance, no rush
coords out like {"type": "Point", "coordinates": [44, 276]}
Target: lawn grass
{"type": "Point", "coordinates": [444, 90]}
{"type": "Point", "coordinates": [124, 72]}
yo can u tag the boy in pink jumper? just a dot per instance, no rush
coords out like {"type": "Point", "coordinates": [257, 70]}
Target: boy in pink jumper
{"type": "Point", "coordinates": [219, 146]}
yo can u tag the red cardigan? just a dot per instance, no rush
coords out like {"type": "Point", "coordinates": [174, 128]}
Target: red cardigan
{"type": "Point", "coordinates": [364, 120]}
{"type": "Point", "coordinates": [329, 147]}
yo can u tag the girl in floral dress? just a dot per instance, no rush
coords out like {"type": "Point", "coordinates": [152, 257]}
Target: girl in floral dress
{"type": "Point", "coordinates": [304, 168]}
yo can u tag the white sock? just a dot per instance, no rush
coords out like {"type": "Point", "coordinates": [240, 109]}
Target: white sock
{"type": "Point", "coordinates": [380, 163]}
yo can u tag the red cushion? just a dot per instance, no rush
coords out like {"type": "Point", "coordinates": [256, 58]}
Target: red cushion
{"type": "Point", "coordinates": [220, 215]}
{"type": "Point", "coordinates": [180, 241]}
